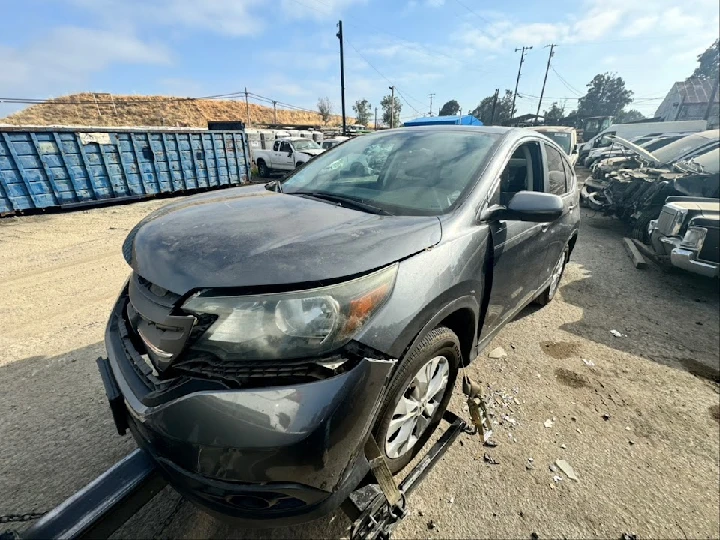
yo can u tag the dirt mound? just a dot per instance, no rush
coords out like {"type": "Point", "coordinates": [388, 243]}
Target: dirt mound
{"type": "Point", "coordinates": [93, 109]}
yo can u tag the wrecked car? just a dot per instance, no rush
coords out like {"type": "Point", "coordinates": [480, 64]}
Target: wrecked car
{"type": "Point", "coordinates": [266, 333]}
{"type": "Point", "coordinates": [636, 194]}
{"type": "Point", "coordinates": [688, 232]}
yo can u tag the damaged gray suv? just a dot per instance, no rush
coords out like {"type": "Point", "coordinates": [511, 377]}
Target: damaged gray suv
{"type": "Point", "coordinates": [266, 332]}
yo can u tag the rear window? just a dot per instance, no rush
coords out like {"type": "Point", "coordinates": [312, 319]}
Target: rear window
{"type": "Point", "coordinates": [562, 138]}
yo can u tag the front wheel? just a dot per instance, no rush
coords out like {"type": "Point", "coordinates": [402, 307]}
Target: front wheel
{"type": "Point", "coordinates": [417, 397]}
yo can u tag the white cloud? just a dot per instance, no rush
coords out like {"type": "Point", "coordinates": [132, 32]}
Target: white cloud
{"type": "Point", "coordinates": [67, 55]}
{"type": "Point", "coordinates": [640, 26]}
{"type": "Point", "coordinates": [310, 9]}
{"type": "Point", "coordinates": [232, 18]}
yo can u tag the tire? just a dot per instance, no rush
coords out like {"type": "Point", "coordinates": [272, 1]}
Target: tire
{"type": "Point", "coordinates": [299, 164]}
{"type": "Point", "coordinates": [548, 294]}
{"type": "Point", "coordinates": [439, 343]}
{"type": "Point", "coordinates": [263, 170]}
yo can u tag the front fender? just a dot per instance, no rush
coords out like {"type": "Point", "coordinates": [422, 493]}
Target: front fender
{"type": "Point", "coordinates": [429, 286]}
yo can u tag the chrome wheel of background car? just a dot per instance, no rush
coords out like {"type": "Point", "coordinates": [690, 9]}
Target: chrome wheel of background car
{"type": "Point", "coordinates": [416, 407]}
{"type": "Point", "coordinates": [557, 274]}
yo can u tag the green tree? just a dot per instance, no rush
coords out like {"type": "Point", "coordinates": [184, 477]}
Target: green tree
{"type": "Point", "coordinates": [709, 61]}
{"type": "Point", "coordinates": [606, 96]}
{"type": "Point", "coordinates": [623, 117]}
{"type": "Point", "coordinates": [325, 109]}
{"type": "Point", "coordinates": [451, 108]}
{"type": "Point", "coordinates": [389, 109]}
{"type": "Point", "coordinates": [362, 109]}
{"type": "Point", "coordinates": [554, 113]}
{"type": "Point", "coordinates": [503, 109]}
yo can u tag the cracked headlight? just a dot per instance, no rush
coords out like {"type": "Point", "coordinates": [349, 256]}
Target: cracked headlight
{"type": "Point", "coordinates": [294, 324]}
{"type": "Point", "coordinates": [694, 238]}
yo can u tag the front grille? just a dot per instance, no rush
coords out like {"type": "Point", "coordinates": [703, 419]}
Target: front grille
{"type": "Point", "coordinates": [710, 249]}
{"type": "Point", "coordinates": [244, 372]}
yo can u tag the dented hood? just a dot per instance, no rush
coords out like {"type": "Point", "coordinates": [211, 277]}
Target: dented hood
{"type": "Point", "coordinates": [247, 237]}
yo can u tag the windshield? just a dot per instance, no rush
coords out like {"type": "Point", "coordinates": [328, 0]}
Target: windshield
{"type": "Point", "coordinates": [404, 172]}
{"type": "Point", "coordinates": [677, 149]}
{"type": "Point", "coordinates": [306, 144]}
{"type": "Point", "coordinates": [562, 138]}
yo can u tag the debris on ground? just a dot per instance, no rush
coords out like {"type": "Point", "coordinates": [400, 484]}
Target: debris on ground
{"type": "Point", "coordinates": [553, 468]}
{"type": "Point", "coordinates": [548, 423]}
{"type": "Point", "coordinates": [567, 469]}
{"type": "Point", "coordinates": [606, 417]}
{"type": "Point", "coordinates": [490, 460]}
{"type": "Point", "coordinates": [490, 443]}
{"type": "Point", "coordinates": [588, 363]}
{"type": "Point", "coordinates": [563, 446]}
{"type": "Point", "coordinates": [628, 536]}
{"type": "Point", "coordinates": [534, 536]}
{"type": "Point", "coordinates": [497, 353]}
{"type": "Point", "coordinates": [616, 333]}
{"type": "Point", "coordinates": [451, 500]}
{"type": "Point", "coordinates": [431, 524]}
{"type": "Point", "coordinates": [557, 478]}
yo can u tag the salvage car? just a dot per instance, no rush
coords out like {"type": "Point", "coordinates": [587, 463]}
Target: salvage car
{"type": "Point", "coordinates": [266, 333]}
{"type": "Point", "coordinates": [286, 154]}
{"type": "Point", "coordinates": [688, 231]}
{"type": "Point", "coordinates": [565, 136]}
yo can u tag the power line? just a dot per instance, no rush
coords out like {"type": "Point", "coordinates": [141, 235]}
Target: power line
{"type": "Point", "coordinates": [473, 12]}
{"type": "Point", "coordinates": [381, 74]}
{"type": "Point", "coordinates": [565, 83]}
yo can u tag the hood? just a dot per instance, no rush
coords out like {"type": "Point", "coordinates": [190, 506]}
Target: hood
{"type": "Point", "coordinates": [640, 151]}
{"type": "Point", "coordinates": [312, 151]}
{"type": "Point", "coordinates": [254, 237]}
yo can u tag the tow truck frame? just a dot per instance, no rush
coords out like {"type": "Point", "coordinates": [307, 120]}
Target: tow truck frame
{"type": "Point", "coordinates": [106, 503]}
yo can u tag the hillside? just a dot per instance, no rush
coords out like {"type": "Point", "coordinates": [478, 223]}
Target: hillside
{"type": "Point", "coordinates": [89, 109]}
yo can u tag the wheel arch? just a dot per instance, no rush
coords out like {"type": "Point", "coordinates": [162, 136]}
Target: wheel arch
{"type": "Point", "coordinates": [460, 316]}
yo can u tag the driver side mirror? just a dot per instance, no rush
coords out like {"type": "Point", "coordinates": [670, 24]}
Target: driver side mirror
{"type": "Point", "coordinates": [575, 149]}
{"type": "Point", "coordinates": [530, 206]}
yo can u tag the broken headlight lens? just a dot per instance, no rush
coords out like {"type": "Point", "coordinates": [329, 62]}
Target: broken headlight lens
{"type": "Point", "coordinates": [694, 238]}
{"type": "Point", "coordinates": [295, 324]}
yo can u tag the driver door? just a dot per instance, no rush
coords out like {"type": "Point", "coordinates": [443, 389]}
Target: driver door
{"type": "Point", "coordinates": [518, 246]}
{"type": "Point", "coordinates": [286, 160]}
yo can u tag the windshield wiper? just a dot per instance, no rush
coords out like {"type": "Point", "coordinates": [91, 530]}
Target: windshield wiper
{"type": "Point", "coordinates": [344, 200]}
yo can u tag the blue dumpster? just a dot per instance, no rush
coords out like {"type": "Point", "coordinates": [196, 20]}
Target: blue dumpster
{"type": "Point", "coordinates": [66, 167]}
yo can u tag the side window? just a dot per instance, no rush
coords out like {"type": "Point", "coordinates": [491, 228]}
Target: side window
{"type": "Point", "coordinates": [556, 171]}
{"type": "Point", "coordinates": [523, 172]}
{"type": "Point", "coordinates": [285, 147]}
{"type": "Point", "coordinates": [276, 146]}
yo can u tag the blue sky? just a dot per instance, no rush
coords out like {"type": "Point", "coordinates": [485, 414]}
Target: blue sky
{"type": "Point", "coordinates": [287, 49]}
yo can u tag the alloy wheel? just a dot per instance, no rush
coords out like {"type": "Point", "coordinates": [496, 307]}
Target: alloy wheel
{"type": "Point", "coordinates": [416, 407]}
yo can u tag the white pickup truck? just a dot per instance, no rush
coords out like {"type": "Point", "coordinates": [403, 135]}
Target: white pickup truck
{"type": "Point", "coordinates": [286, 155]}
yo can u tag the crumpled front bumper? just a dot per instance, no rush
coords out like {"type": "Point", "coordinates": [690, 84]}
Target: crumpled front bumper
{"type": "Point", "coordinates": [278, 454]}
{"type": "Point", "coordinates": [687, 260]}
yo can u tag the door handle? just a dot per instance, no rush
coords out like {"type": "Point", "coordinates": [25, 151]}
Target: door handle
{"type": "Point", "coordinates": [544, 227]}
{"type": "Point", "coordinates": [571, 207]}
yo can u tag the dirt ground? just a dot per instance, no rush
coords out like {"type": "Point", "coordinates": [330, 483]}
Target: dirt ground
{"type": "Point", "coordinates": [637, 417]}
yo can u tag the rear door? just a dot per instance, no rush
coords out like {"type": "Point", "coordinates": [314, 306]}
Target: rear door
{"type": "Point", "coordinates": [560, 180]}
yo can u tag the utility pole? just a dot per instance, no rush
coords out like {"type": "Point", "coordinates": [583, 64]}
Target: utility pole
{"type": "Point", "coordinates": [375, 118]}
{"type": "Point", "coordinates": [275, 112]}
{"type": "Point", "coordinates": [431, 96]}
{"type": "Point", "coordinates": [392, 106]}
{"type": "Point", "coordinates": [517, 81]}
{"type": "Point", "coordinates": [342, 76]}
{"type": "Point", "coordinates": [542, 92]}
{"type": "Point", "coordinates": [247, 107]}
{"type": "Point", "coordinates": [492, 114]}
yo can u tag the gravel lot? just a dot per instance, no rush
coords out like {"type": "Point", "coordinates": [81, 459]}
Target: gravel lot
{"type": "Point", "coordinates": [637, 417]}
